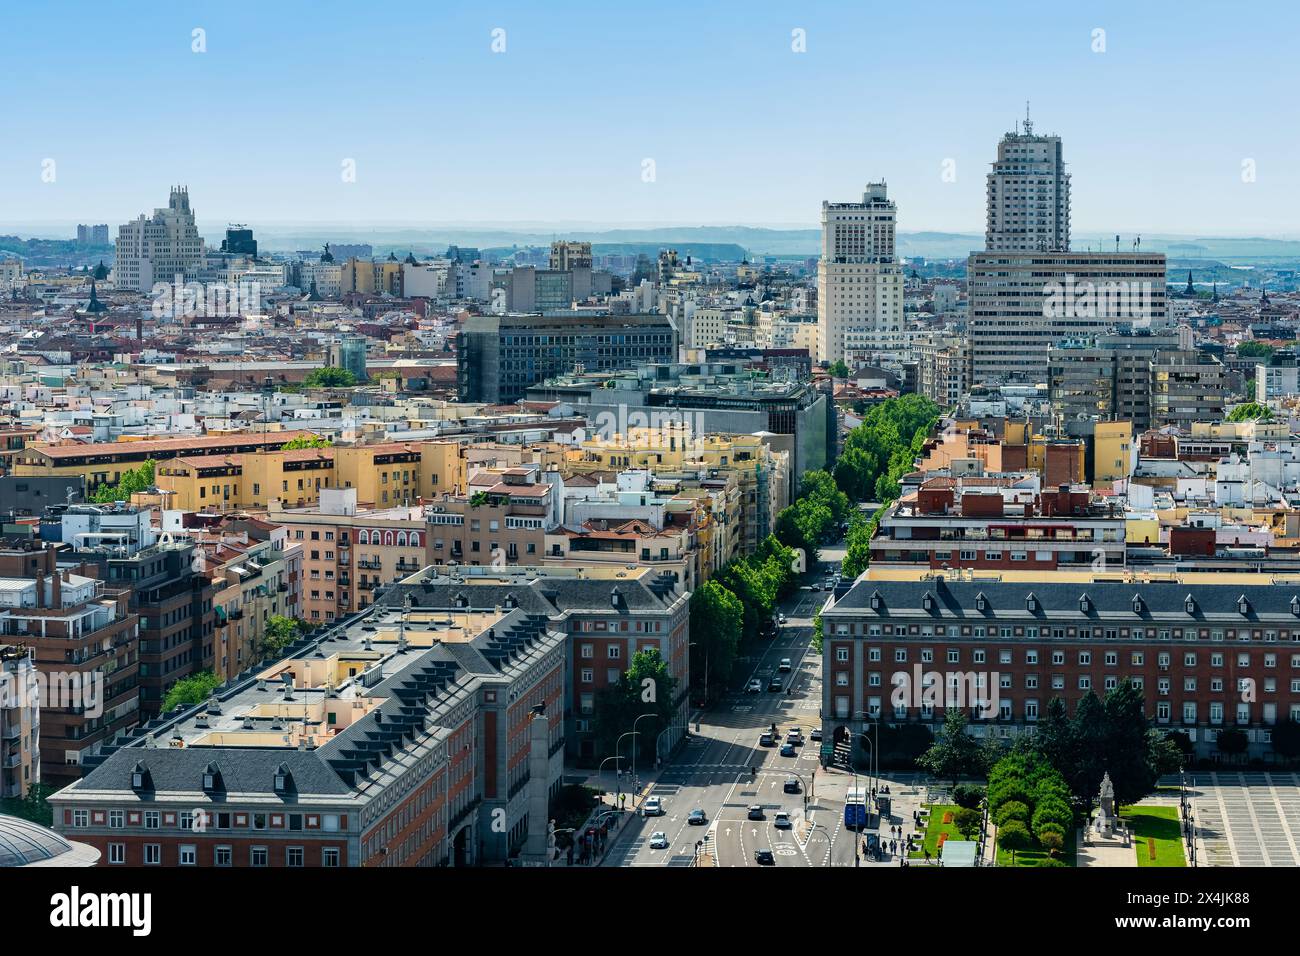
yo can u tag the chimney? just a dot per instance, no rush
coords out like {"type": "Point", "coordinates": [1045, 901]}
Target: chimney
{"type": "Point", "coordinates": [56, 589]}
{"type": "Point", "coordinates": [40, 589]}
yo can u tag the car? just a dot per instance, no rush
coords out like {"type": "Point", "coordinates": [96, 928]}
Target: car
{"type": "Point", "coordinates": [787, 750]}
{"type": "Point", "coordinates": [815, 734]}
{"type": "Point", "coordinates": [785, 665]}
{"type": "Point", "coordinates": [754, 686]}
{"type": "Point", "coordinates": [697, 818]}
{"type": "Point", "coordinates": [756, 812]}
{"type": "Point", "coordinates": [791, 785]}
{"type": "Point", "coordinates": [809, 587]}
{"type": "Point", "coordinates": [653, 807]}
{"type": "Point", "coordinates": [776, 684]}
{"type": "Point", "coordinates": [658, 840]}
{"type": "Point", "coordinates": [780, 618]}
{"type": "Point", "coordinates": [766, 740]}
{"type": "Point", "coordinates": [794, 737]}
{"type": "Point", "coordinates": [782, 820]}
{"type": "Point", "coordinates": [764, 858]}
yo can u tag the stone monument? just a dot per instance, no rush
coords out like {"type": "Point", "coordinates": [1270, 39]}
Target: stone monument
{"type": "Point", "coordinates": [1104, 820]}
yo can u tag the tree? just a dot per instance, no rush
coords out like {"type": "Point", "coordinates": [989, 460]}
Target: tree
{"type": "Point", "coordinates": [191, 690]}
{"type": "Point", "coordinates": [968, 796]}
{"type": "Point", "coordinates": [646, 687]}
{"type": "Point", "coordinates": [279, 633]}
{"type": "Point", "coordinates": [1251, 412]}
{"type": "Point", "coordinates": [717, 622]}
{"type": "Point", "coordinates": [967, 822]}
{"type": "Point", "coordinates": [1014, 836]}
{"type": "Point", "coordinates": [1011, 810]}
{"type": "Point", "coordinates": [329, 377]}
{"type": "Point", "coordinates": [306, 441]}
{"type": "Point", "coordinates": [1255, 349]}
{"type": "Point", "coordinates": [838, 369]}
{"type": "Point", "coordinates": [1128, 753]}
{"type": "Point", "coordinates": [137, 479]}
{"type": "Point", "coordinates": [1052, 841]}
{"type": "Point", "coordinates": [955, 752]}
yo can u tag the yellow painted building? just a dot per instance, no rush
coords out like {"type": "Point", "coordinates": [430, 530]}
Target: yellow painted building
{"type": "Point", "coordinates": [385, 475]}
{"type": "Point", "coordinates": [1112, 455]}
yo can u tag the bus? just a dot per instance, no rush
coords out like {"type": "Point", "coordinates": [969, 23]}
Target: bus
{"type": "Point", "coordinates": [855, 809]}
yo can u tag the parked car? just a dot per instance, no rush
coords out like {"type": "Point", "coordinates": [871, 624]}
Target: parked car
{"type": "Point", "coordinates": [787, 750]}
{"type": "Point", "coordinates": [754, 686]}
{"type": "Point", "coordinates": [785, 665]}
{"type": "Point", "coordinates": [780, 618]}
{"type": "Point", "coordinates": [782, 820]}
{"type": "Point", "coordinates": [791, 785]}
{"type": "Point", "coordinates": [658, 840]}
{"type": "Point", "coordinates": [697, 818]}
{"type": "Point", "coordinates": [764, 858]}
{"type": "Point", "coordinates": [756, 812]}
{"type": "Point", "coordinates": [653, 807]}
{"type": "Point", "coordinates": [815, 734]}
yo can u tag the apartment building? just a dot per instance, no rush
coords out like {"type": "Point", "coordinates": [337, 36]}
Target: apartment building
{"type": "Point", "coordinates": [502, 519]}
{"type": "Point", "coordinates": [84, 641]}
{"type": "Point", "coordinates": [1000, 523]}
{"type": "Point", "coordinates": [1209, 651]}
{"type": "Point", "coordinates": [255, 580]}
{"type": "Point", "coordinates": [606, 614]}
{"type": "Point", "coordinates": [174, 602]}
{"type": "Point", "coordinates": [20, 720]}
{"type": "Point", "coordinates": [104, 463]}
{"type": "Point", "coordinates": [385, 474]}
{"type": "Point", "coordinates": [943, 367]}
{"type": "Point", "coordinates": [350, 552]}
{"type": "Point", "coordinates": [403, 737]}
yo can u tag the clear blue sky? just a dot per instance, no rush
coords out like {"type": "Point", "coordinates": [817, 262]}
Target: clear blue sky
{"type": "Point", "coordinates": [555, 129]}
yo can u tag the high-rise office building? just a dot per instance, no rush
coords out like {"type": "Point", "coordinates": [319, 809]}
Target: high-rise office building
{"type": "Point", "coordinates": [239, 241]}
{"type": "Point", "coordinates": [1022, 303]}
{"type": "Point", "coordinates": [157, 248]}
{"type": "Point", "coordinates": [1028, 195]}
{"type": "Point", "coordinates": [859, 279]}
{"type": "Point", "coordinates": [92, 235]}
{"type": "Point", "coordinates": [570, 255]}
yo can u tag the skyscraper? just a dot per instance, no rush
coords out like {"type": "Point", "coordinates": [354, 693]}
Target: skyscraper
{"type": "Point", "coordinates": [160, 247]}
{"type": "Point", "coordinates": [1028, 195]}
{"type": "Point", "coordinates": [859, 279]}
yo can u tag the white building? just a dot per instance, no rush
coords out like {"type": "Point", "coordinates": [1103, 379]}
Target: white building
{"type": "Point", "coordinates": [158, 248]}
{"type": "Point", "coordinates": [1028, 195]}
{"type": "Point", "coordinates": [859, 279]}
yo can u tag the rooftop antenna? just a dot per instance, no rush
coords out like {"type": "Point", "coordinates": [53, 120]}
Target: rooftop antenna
{"type": "Point", "coordinates": [1029, 126]}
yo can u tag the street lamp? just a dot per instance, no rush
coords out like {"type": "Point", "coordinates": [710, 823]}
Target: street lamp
{"type": "Point", "coordinates": [635, 790]}
{"type": "Point", "coordinates": [618, 746]}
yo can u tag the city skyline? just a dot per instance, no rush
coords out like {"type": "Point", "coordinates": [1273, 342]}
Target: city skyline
{"type": "Point", "coordinates": [453, 132]}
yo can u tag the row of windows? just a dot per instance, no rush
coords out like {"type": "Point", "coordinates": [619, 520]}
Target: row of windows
{"type": "Point", "coordinates": [1031, 656]}
{"type": "Point", "coordinates": [187, 855]}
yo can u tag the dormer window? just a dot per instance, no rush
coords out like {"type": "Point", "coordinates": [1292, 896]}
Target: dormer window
{"type": "Point", "coordinates": [981, 602]}
{"type": "Point", "coordinates": [283, 779]}
{"type": "Point", "coordinates": [1085, 603]}
{"type": "Point", "coordinates": [1189, 604]}
{"type": "Point", "coordinates": [1031, 604]}
{"type": "Point", "coordinates": [876, 601]}
{"type": "Point", "coordinates": [927, 602]}
{"type": "Point", "coordinates": [1138, 606]}
{"type": "Point", "coordinates": [1243, 605]}
{"type": "Point", "coordinates": [212, 782]}
{"type": "Point", "coordinates": [141, 781]}
{"type": "Point", "coordinates": [1295, 605]}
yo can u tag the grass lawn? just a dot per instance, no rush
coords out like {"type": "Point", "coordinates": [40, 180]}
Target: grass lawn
{"type": "Point", "coordinates": [936, 828]}
{"type": "Point", "coordinates": [1158, 827]}
{"type": "Point", "coordinates": [1035, 857]}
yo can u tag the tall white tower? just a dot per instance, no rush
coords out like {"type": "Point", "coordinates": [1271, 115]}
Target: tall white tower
{"type": "Point", "coordinates": [859, 280]}
{"type": "Point", "coordinates": [1028, 195]}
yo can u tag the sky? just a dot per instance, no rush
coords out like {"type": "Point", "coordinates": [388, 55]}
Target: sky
{"type": "Point", "coordinates": [1177, 118]}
